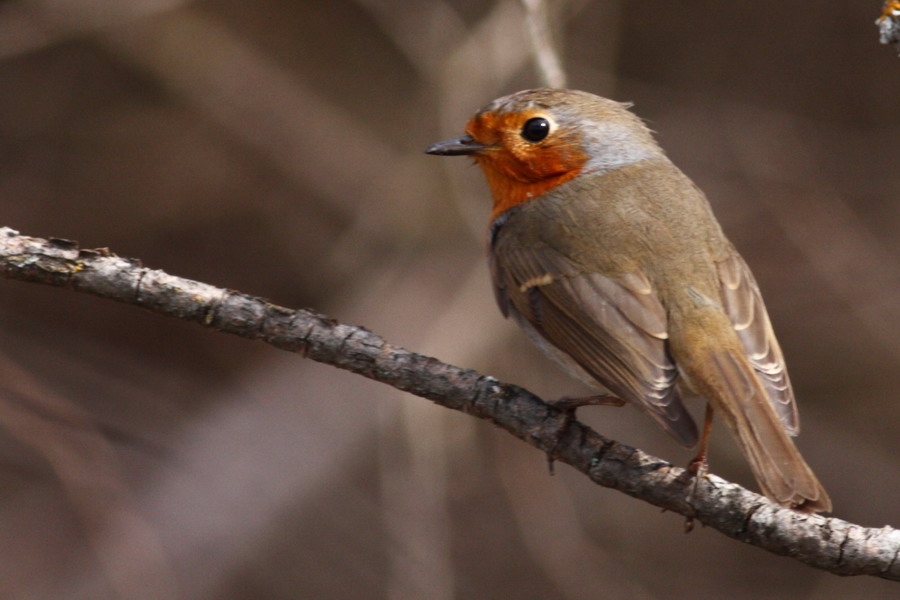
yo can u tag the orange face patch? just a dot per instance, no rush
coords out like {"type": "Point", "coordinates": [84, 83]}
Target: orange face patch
{"type": "Point", "coordinates": [516, 169]}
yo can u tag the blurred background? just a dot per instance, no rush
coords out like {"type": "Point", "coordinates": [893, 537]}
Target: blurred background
{"type": "Point", "coordinates": [275, 147]}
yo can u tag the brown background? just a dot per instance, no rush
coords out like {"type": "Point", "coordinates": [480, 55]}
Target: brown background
{"type": "Point", "coordinates": [275, 147]}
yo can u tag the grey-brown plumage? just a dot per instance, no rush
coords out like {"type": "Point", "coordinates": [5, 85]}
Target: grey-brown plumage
{"type": "Point", "coordinates": [612, 261]}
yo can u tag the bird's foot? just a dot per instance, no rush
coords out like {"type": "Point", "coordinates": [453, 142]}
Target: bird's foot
{"type": "Point", "coordinates": [698, 469]}
{"type": "Point", "coordinates": [569, 404]}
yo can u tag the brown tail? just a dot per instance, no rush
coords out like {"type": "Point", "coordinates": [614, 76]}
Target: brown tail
{"type": "Point", "coordinates": [737, 394]}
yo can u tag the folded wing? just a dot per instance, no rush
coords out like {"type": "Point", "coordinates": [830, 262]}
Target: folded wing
{"type": "Point", "coordinates": [613, 328]}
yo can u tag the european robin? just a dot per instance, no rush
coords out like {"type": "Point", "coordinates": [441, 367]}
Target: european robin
{"type": "Point", "coordinates": [611, 260]}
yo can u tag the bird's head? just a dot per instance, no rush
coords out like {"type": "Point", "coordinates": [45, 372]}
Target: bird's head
{"type": "Point", "coordinates": [532, 141]}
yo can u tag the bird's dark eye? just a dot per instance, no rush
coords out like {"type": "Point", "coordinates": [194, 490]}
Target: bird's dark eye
{"type": "Point", "coordinates": [536, 129]}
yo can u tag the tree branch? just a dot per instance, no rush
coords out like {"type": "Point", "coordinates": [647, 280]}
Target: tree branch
{"type": "Point", "coordinates": [825, 543]}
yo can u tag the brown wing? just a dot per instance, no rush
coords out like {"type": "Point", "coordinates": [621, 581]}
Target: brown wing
{"type": "Point", "coordinates": [614, 329]}
{"type": "Point", "coordinates": [744, 305]}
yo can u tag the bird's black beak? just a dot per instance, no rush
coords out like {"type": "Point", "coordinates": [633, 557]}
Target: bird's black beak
{"type": "Point", "coordinates": [458, 146]}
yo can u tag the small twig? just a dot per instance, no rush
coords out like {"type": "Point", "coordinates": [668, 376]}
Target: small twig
{"type": "Point", "coordinates": [546, 57]}
{"type": "Point", "coordinates": [889, 24]}
{"type": "Point", "coordinates": [825, 543]}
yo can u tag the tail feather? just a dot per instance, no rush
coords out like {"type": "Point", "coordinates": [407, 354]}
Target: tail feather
{"type": "Point", "coordinates": [777, 465]}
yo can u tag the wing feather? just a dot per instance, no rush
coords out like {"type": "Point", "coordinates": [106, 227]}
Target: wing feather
{"type": "Point", "coordinates": [743, 304]}
{"type": "Point", "coordinates": [614, 329]}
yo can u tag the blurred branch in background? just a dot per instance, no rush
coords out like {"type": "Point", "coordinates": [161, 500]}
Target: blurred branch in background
{"type": "Point", "coordinates": [825, 543]}
{"type": "Point", "coordinates": [546, 55]}
{"type": "Point", "coordinates": [124, 543]}
{"type": "Point", "coordinates": [35, 24]}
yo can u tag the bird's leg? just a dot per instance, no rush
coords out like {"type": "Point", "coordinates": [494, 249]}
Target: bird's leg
{"type": "Point", "coordinates": [699, 466]}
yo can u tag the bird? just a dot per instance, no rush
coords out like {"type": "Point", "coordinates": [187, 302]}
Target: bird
{"type": "Point", "coordinates": [611, 260]}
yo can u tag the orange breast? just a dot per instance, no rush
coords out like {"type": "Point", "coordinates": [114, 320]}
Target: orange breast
{"type": "Point", "coordinates": [509, 189]}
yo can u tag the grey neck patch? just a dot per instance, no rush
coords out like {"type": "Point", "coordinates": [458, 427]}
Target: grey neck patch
{"type": "Point", "coordinates": [615, 145]}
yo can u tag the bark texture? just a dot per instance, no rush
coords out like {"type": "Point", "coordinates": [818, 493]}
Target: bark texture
{"type": "Point", "coordinates": [826, 543]}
